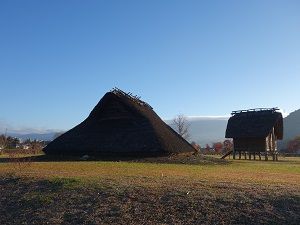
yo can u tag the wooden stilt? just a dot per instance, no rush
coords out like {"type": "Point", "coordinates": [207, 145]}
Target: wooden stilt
{"type": "Point", "coordinates": [240, 155]}
{"type": "Point", "coordinates": [266, 156]}
{"type": "Point", "coordinates": [245, 155]}
{"type": "Point", "coordinates": [276, 157]}
{"type": "Point", "coordinates": [254, 156]}
{"type": "Point", "coordinates": [233, 154]}
{"type": "Point", "coordinates": [259, 155]}
{"type": "Point", "coordinates": [273, 156]}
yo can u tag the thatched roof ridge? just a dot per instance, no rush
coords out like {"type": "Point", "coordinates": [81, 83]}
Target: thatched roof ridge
{"type": "Point", "coordinates": [120, 124]}
{"type": "Point", "coordinates": [255, 124]}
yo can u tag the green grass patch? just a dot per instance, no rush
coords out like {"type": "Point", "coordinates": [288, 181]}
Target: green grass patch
{"type": "Point", "coordinates": [37, 199]}
{"type": "Point", "coordinates": [69, 173]}
{"type": "Point", "coordinates": [59, 183]}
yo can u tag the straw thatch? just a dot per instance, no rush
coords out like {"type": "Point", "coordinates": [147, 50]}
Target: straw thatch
{"type": "Point", "coordinates": [255, 130]}
{"type": "Point", "coordinates": [255, 124]}
{"type": "Point", "coordinates": [121, 125]}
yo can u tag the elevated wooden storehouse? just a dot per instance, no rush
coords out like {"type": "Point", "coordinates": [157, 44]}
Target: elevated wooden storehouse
{"type": "Point", "coordinates": [120, 125]}
{"type": "Point", "coordinates": [255, 132]}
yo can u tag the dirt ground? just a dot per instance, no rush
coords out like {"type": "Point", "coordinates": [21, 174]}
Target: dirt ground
{"type": "Point", "coordinates": [71, 201]}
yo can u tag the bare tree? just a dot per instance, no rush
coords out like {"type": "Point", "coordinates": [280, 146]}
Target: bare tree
{"type": "Point", "coordinates": [2, 141]}
{"type": "Point", "coordinates": [181, 126]}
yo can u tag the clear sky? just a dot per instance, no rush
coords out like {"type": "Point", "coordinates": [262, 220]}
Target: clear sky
{"type": "Point", "coordinates": [58, 58]}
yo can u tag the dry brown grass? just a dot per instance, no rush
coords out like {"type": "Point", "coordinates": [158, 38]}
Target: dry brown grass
{"type": "Point", "coordinates": [240, 192]}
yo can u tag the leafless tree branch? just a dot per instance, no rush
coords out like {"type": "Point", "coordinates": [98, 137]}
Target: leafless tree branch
{"type": "Point", "coordinates": [181, 126]}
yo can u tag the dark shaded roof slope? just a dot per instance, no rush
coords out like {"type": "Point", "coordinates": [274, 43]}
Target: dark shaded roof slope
{"type": "Point", "coordinates": [254, 124]}
{"type": "Point", "coordinates": [120, 124]}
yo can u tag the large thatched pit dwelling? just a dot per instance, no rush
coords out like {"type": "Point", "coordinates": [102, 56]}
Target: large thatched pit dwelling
{"type": "Point", "coordinates": [120, 125]}
{"type": "Point", "coordinates": [255, 132]}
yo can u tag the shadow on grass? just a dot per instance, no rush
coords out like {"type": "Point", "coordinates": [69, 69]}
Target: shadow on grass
{"type": "Point", "coordinates": [43, 185]}
{"type": "Point", "coordinates": [174, 159]}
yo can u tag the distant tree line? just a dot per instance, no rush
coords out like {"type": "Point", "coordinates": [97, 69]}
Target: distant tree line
{"type": "Point", "coordinates": [8, 142]}
{"type": "Point", "coordinates": [293, 145]}
{"type": "Point", "coordinates": [215, 148]}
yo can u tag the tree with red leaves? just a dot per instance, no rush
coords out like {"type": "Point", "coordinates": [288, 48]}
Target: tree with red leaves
{"type": "Point", "coordinates": [218, 147]}
{"type": "Point", "coordinates": [294, 145]}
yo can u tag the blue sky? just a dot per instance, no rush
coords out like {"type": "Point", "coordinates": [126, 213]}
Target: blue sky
{"type": "Point", "coordinates": [58, 58]}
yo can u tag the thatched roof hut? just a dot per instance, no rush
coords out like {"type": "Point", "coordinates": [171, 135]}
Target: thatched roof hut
{"type": "Point", "coordinates": [122, 125]}
{"type": "Point", "coordinates": [255, 130]}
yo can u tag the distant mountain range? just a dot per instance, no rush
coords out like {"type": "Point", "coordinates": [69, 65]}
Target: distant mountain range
{"type": "Point", "coordinates": [292, 125]}
{"type": "Point", "coordinates": [38, 136]}
{"type": "Point", "coordinates": [291, 128]}
{"type": "Point", "coordinates": [206, 130]}
{"type": "Point", "coordinates": [203, 130]}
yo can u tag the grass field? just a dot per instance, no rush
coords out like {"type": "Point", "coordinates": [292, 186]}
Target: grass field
{"type": "Point", "coordinates": [96, 192]}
